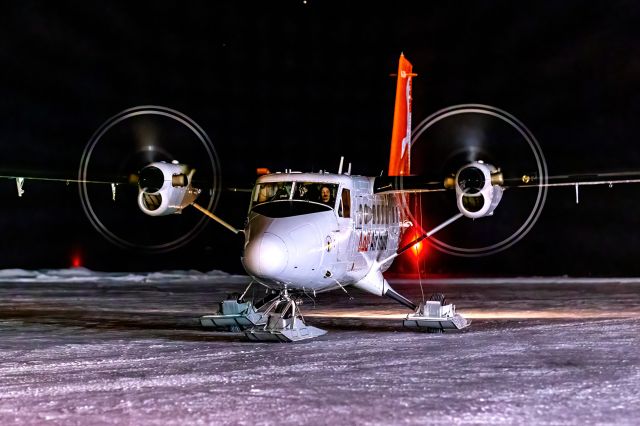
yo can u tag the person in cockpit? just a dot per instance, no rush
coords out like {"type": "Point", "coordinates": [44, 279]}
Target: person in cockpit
{"type": "Point", "coordinates": [282, 192]}
{"type": "Point", "coordinates": [325, 196]}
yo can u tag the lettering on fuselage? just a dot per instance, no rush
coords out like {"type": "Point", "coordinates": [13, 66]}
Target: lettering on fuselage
{"type": "Point", "coordinates": [373, 240]}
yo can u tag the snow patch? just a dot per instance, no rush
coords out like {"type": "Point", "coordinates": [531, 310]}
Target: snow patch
{"type": "Point", "coordinates": [16, 273]}
{"type": "Point", "coordinates": [87, 275]}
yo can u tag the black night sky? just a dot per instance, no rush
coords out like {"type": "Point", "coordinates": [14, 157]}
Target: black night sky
{"type": "Point", "coordinates": [289, 84]}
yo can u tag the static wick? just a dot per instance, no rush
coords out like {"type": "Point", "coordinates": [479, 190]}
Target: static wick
{"type": "Point", "coordinates": [577, 194]}
{"type": "Point", "coordinates": [113, 191]}
{"type": "Point", "coordinates": [20, 184]}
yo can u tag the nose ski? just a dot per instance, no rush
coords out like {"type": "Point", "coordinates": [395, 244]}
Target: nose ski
{"type": "Point", "coordinates": [277, 320]}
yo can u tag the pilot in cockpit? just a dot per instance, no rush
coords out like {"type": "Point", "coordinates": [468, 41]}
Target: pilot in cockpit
{"type": "Point", "coordinates": [282, 193]}
{"type": "Point", "coordinates": [325, 196]}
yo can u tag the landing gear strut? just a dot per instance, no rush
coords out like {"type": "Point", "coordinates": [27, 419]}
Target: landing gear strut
{"type": "Point", "coordinates": [285, 322]}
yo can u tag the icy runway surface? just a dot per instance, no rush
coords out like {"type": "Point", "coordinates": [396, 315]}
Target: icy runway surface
{"type": "Point", "coordinates": [87, 348]}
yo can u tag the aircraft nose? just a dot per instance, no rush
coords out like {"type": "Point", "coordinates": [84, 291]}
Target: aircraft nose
{"type": "Point", "coordinates": [266, 256]}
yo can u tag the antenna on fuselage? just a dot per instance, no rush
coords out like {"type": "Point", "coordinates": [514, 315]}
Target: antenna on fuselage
{"type": "Point", "coordinates": [349, 169]}
{"type": "Point", "coordinates": [340, 166]}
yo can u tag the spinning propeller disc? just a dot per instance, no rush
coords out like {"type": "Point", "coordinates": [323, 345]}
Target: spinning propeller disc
{"type": "Point", "coordinates": [456, 136]}
{"type": "Point", "coordinates": [117, 152]}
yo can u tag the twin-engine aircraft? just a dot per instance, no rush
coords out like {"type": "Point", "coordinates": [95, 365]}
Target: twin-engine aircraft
{"type": "Point", "coordinates": [308, 233]}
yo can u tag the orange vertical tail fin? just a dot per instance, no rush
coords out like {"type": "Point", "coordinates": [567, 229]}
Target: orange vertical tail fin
{"type": "Point", "coordinates": [400, 158]}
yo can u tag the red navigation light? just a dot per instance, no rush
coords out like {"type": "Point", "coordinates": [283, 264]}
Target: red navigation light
{"type": "Point", "coordinates": [417, 248]}
{"type": "Point", "coordinates": [76, 260]}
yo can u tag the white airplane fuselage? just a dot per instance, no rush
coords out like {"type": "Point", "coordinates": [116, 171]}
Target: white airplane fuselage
{"type": "Point", "coordinates": [297, 239]}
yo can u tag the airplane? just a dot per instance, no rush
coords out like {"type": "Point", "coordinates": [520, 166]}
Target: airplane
{"type": "Point", "coordinates": [313, 232]}
{"type": "Point", "coordinates": [317, 232]}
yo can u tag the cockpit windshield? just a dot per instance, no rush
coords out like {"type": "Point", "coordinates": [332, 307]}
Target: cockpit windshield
{"type": "Point", "coordinates": [324, 193]}
{"type": "Point", "coordinates": [271, 191]}
{"type": "Point", "coordinates": [317, 192]}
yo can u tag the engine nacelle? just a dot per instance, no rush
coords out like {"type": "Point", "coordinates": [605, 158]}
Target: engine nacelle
{"type": "Point", "coordinates": [165, 188]}
{"type": "Point", "coordinates": [478, 189]}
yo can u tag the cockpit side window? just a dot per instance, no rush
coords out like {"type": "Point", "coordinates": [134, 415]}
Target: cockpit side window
{"type": "Point", "coordinates": [344, 209]}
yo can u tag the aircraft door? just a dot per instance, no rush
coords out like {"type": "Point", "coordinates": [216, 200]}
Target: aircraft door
{"type": "Point", "coordinates": [344, 236]}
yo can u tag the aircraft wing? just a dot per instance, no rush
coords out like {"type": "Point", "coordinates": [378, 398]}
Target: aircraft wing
{"type": "Point", "coordinates": [20, 180]}
{"type": "Point", "coordinates": [419, 184]}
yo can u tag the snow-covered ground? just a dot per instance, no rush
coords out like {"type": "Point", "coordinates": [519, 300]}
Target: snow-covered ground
{"type": "Point", "coordinates": [78, 347]}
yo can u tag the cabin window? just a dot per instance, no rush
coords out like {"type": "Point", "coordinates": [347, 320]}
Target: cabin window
{"type": "Point", "coordinates": [344, 210]}
{"type": "Point", "coordinates": [364, 214]}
